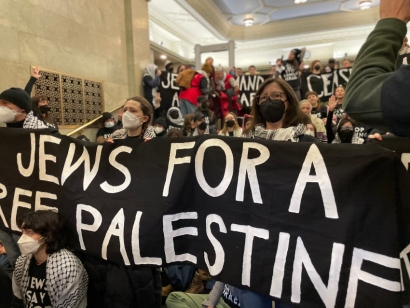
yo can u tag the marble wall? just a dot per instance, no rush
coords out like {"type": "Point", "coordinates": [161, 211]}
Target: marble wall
{"type": "Point", "coordinates": [97, 39]}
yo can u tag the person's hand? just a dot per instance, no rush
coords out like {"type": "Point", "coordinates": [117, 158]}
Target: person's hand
{"type": "Point", "coordinates": [376, 136]}
{"type": "Point", "coordinates": [35, 73]}
{"type": "Point", "coordinates": [324, 120]}
{"type": "Point", "coordinates": [146, 139]}
{"type": "Point", "coordinates": [399, 9]}
{"type": "Point", "coordinates": [109, 140]}
{"type": "Point", "coordinates": [159, 73]}
{"type": "Point", "coordinates": [120, 113]}
{"type": "Point", "coordinates": [332, 103]}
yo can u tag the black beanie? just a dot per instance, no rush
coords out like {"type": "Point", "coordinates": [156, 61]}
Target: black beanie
{"type": "Point", "coordinates": [296, 51]}
{"type": "Point", "coordinates": [18, 97]}
{"type": "Point", "coordinates": [161, 121]}
{"type": "Point", "coordinates": [106, 116]}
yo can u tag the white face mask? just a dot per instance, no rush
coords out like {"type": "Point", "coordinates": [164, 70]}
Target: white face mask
{"type": "Point", "coordinates": [7, 115]}
{"type": "Point", "coordinates": [130, 120]}
{"type": "Point", "coordinates": [158, 130]}
{"type": "Point", "coordinates": [28, 245]}
{"type": "Point", "coordinates": [109, 124]}
{"type": "Point", "coordinates": [310, 133]}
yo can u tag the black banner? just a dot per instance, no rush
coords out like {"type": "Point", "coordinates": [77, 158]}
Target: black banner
{"type": "Point", "coordinates": [289, 220]}
{"type": "Point", "coordinates": [325, 84]}
{"type": "Point", "coordinates": [168, 90]}
{"type": "Point", "coordinates": [248, 85]}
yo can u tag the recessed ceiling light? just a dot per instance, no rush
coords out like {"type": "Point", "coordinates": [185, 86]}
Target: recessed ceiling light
{"type": "Point", "coordinates": [248, 22]}
{"type": "Point", "coordinates": [163, 57]}
{"type": "Point", "coordinates": [364, 5]}
{"type": "Point", "coordinates": [300, 1]}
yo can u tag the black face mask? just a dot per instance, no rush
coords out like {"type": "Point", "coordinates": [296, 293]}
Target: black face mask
{"type": "Point", "coordinates": [174, 115]}
{"type": "Point", "coordinates": [202, 126]}
{"type": "Point", "coordinates": [317, 67]}
{"type": "Point", "coordinates": [44, 109]}
{"type": "Point", "coordinates": [204, 106]}
{"type": "Point", "coordinates": [346, 136]}
{"type": "Point", "coordinates": [272, 110]}
{"type": "Point", "coordinates": [230, 123]}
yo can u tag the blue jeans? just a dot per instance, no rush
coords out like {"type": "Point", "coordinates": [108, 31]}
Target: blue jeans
{"type": "Point", "coordinates": [186, 107]}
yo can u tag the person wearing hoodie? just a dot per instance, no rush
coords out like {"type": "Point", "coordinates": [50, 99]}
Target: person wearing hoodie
{"type": "Point", "coordinates": [210, 118]}
{"type": "Point", "coordinates": [108, 127]}
{"type": "Point", "coordinates": [290, 70]}
{"type": "Point", "coordinates": [174, 118]}
{"type": "Point", "coordinates": [150, 82]}
{"type": "Point", "coordinates": [160, 127]}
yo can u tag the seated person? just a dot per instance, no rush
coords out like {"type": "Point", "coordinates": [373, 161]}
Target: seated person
{"type": "Point", "coordinates": [47, 274]}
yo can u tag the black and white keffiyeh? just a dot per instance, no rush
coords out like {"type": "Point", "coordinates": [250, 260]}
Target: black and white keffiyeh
{"type": "Point", "coordinates": [282, 134]}
{"type": "Point", "coordinates": [34, 122]}
{"type": "Point", "coordinates": [122, 133]}
{"type": "Point", "coordinates": [66, 279]}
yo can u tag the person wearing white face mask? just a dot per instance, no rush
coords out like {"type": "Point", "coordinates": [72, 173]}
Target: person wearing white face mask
{"type": "Point", "coordinates": [160, 127]}
{"type": "Point", "coordinates": [136, 120]}
{"type": "Point", "coordinates": [108, 128]}
{"type": "Point", "coordinates": [47, 274]}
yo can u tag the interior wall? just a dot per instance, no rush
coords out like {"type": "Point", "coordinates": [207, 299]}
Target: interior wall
{"type": "Point", "coordinates": [77, 37]}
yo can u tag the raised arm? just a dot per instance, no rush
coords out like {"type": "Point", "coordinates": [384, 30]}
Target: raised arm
{"type": "Point", "coordinates": [374, 64]}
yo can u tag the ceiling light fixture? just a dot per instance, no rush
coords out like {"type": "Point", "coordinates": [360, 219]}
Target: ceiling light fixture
{"type": "Point", "coordinates": [163, 57]}
{"type": "Point", "coordinates": [364, 5]}
{"type": "Point", "coordinates": [248, 22]}
{"type": "Point", "coordinates": [300, 1]}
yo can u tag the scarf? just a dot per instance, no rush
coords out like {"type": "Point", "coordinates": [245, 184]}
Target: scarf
{"type": "Point", "coordinates": [282, 134]}
{"type": "Point", "coordinates": [33, 122]}
{"type": "Point", "coordinates": [220, 84]}
{"type": "Point", "coordinates": [151, 70]}
{"type": "Point", "coordinates": [66, 279]}
{"type": "Point", "coordinates": [178, 122]}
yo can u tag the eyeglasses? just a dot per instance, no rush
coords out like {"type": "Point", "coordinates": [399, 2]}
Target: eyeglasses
{"type": "Point", "coordinates": [344, 128]}
{"type": "Point", "coordinates": [260, 99]}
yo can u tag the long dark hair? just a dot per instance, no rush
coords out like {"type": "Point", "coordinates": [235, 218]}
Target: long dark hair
{"type": "Point", "coordinates": [293, 116]}
{"type": "Point", "coordinates": [343, 122]}
{"type": "Point", "coordinates": [35, 100]}
{"type": "Point", "coordinates": [146, 109]}
{"type": "Point", "coordinates": [51, 225]}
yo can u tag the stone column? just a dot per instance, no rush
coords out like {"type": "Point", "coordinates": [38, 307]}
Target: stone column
{"type": "Point", "coordinates": [138, 43]}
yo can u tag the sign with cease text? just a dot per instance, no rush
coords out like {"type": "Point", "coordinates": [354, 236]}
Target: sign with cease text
{"type": "Point", "coordinates": [310, 224]}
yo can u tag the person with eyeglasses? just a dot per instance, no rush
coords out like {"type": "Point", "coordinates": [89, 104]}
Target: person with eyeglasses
{"type": "Point", "coordinates": [345, 131]}
{"type": "Point", "coordinates": [276, 114]}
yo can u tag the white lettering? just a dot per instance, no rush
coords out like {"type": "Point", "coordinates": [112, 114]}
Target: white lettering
{"type": "Point", "coordinates": [215, 269]}
{"type": "Point", "coordinates": [81, 226]}
{"type": "Point", "coordinates": [43, 158]}
{"type": "Point", "coordinates": [26, 172]}
{"type": "Point", "coordinates": [116, 189]}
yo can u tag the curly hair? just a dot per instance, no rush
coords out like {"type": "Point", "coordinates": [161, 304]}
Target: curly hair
{"type": "Point", "coordinates": [49, 224]}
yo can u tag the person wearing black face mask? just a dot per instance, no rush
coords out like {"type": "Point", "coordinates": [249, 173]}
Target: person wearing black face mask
{"type": "Point", "coordinates": [169, 67]}
{"type": "Point", "coordinates": [174, 119]}
{"type": "Point", "coordinates": [202, 127]}
{"type": "Point", "coordinates": [316, 67]}
{"type": "Point", "coordinates": [231, 127]}
{"type": "Point", "coordinates": [210, 118]}
{"type": "Point", "coordinates": [41, 110]}
{"type": "Point", "coordinates": [276, 114]}
{"type": "Point", "coordinates": [345, 132]}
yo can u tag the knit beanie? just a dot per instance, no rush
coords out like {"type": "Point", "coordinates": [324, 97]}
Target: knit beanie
{"type": "Point", "coordinates": [207, 68]}
{"type": "Point", "coordinates": [161, 121]}
{"type": "Point", "coordinates": [296, 51]}
{"type": "Point", "coordinates": [198, 116]}
{"type": "Point", "coordinates": [106, 116]}
{"type": "Point", "coordinates": [18, 97]}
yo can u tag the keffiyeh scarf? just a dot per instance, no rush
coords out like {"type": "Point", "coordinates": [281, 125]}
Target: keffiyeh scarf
{"type": "Point", "coordinates": [282, 134]}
